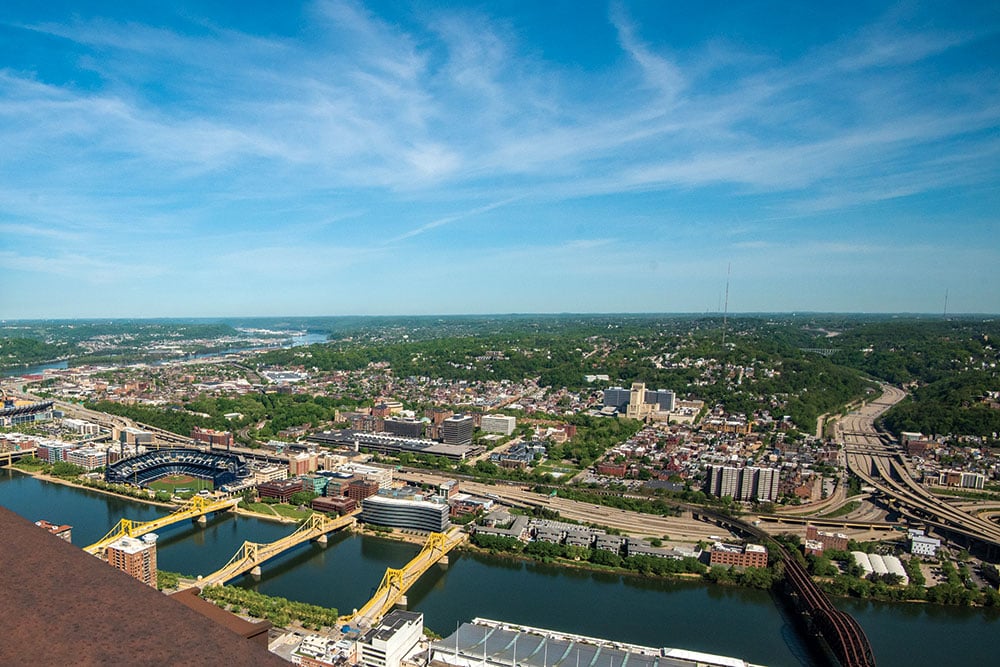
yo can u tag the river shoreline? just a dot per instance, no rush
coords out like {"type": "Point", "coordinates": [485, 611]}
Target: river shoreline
{"type": "Point", "coordinates": [66, 482]}
{"type": "Point", "coordinates": [419, 539]}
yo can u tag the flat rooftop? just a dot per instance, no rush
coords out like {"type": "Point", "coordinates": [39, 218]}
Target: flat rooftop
{"type": "Point", "coordinates": [62, 606]}
{"type": "Point", "coordinates": [485, 643]}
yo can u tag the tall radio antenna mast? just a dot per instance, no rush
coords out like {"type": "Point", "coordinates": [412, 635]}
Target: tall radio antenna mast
{"type": "Point", "coordinates": [725, 312]}
{"type": "Point", "coordinates": [946, 302]}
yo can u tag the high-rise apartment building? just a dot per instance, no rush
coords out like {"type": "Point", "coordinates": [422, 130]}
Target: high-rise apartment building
{"type": "Point", "coordinates": [724, 481]}
{"type": "Point", "coordinates": [743, 483]}
{"type": "Point", "coordinates": [137, 557]}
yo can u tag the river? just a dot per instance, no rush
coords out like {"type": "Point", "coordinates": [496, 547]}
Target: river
{"type": "Point", "coordinates": [33, 370]}
{"type": "Point", "coordinates": [295, 340]}
{"type": "Point", "coordinates": [725, 620]}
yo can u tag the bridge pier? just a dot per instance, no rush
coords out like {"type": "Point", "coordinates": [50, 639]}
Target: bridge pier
{"type": "Point", "coordinates": [322, 539]}
{"type": "Point", "coordinates": [256, 573]}
{"type": "Point", "coordinates": [402, 603]}
{"type": "Point", "coordinates": [202, 520]}
{"type": "Point", "coordinates": [443, 561]}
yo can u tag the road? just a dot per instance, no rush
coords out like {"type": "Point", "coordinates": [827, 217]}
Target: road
{"type": "Point", "coordinates": [881, 467]}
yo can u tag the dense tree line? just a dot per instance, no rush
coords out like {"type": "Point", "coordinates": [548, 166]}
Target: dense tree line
{"type": "Point", "coordinates": [16, 352]}
{"type": "Point", "coordinates": [279, 611]}
{"type": "Point", "coordinates": [953, 405]}
{"type": "Point", "coordinates": [558, 351]}
{"type": "Point", "coordinates": [276, 411]}
{"type": "Point", "coordinates": [549, 551]}
{"type": "Point", "coordinates": [923, 350]}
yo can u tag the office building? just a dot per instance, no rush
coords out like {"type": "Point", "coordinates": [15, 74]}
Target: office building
{"type": "Point", "coordinates": [314, 484]}
{"type": "Point", "coordinates": [457, 430]}
{"type": "Point", "coordinates": [359, 489]}
{"type": "Point", "coordinates": [502, 424]}
{"type": "Point", "coordinates": [303, 464]}
{"type": "Point", "coordinates": [388, 643]}
{"type": "Point", "coordinates": [402, 426]}
{"type": "Point", "coordinates": [405, 512]}
{"type": "Point", "coordinates": [270, 473]}
{"type": "Point", "coordinates": [88, 458]}
{"type": "Point", "coordinates": [381, 476]}
{"type": "Point", "coordinates": [437, 417]}
{"type": "Point", "coordinates": [338, 505]}
{"type": "Point", "coordinates": [211, 437]}
{"type": "Point", "coordinates": [81, 427]}
{"type": "Point", "coordinates": [136, 557]}
{"type": "Point", "coordinates": [837, 541]}
{"type": "Point", "coordinates": [921, 545]}
{"type": "Point", "coordinates": [135, 436]}
{"type": "Point", "coordinates": [282, 489]}
{"type": "Point", "coordinates": [617, 398]}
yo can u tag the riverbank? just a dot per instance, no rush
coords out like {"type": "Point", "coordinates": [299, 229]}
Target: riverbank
{"type": "Point", "coordinates": [96, 489]}
{"type": "Point", "coordinates": [582, 565]}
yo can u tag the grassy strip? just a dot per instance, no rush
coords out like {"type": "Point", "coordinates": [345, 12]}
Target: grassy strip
{"type": "Point", "coordinates": [277, 509]}
{"type": "Point", "coordinates": [842, 511]}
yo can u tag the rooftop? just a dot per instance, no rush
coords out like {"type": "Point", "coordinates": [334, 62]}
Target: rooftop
{"type": "Point", "coordinates": [99, 615]}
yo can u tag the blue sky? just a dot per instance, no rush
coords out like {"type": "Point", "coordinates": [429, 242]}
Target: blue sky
{"type": "Point", "coordinates": [329, 157]}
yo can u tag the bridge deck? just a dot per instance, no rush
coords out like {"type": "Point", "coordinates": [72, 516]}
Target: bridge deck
{"type": "Point", "coordinates": [193, 508]}
{"type": "Point", "coordinates": [395, 583]}
{"type": "Point", "coordinates": [253, 554]}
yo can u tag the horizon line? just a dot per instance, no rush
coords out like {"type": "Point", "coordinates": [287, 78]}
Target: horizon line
{"type": "Point", "coordinates": [720, 314]}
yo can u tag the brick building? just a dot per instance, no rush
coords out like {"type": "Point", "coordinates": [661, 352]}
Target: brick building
{"type": "Point", "coordinates": [360, 489]}
{"type": "Point", "coordinates": [282, 489]}
{"type": "Point", "coordinates": [837, 541]}
{"type": "Point", "coordinates": [611, 469]}
{"type": "Point", "coordinates": [136, 557]}
{"type": "Point", "coordinates": [749, 555]}
{"type": "Point", "coordinates": [339, 506]}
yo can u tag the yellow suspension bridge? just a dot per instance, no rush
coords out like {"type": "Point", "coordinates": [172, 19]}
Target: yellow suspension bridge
{"type": "Point", "coordinates": [251, 555]}
{"type": "Point", "coordinates": [193, 508]}
{"type": "Point", "coordinates": [396, 582]}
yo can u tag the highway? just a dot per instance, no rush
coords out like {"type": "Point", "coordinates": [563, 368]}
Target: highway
{"type": "Point", "coordinates": [868, 457]}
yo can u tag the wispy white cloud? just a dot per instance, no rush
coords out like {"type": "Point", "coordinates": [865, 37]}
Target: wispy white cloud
{"type": "Point", "coordinates": [659, 71]}
{"type": "Point", "coordinates": [448, 219]}
{"type": "Point", "coordinates": [393, 119]}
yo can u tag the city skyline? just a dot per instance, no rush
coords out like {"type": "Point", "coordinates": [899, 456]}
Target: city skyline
{"type": "Point", "coordinates": [338, 158]}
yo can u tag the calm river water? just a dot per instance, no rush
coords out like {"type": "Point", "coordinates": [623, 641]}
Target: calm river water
{"type": "Point", "coordinates": [724, 620]}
